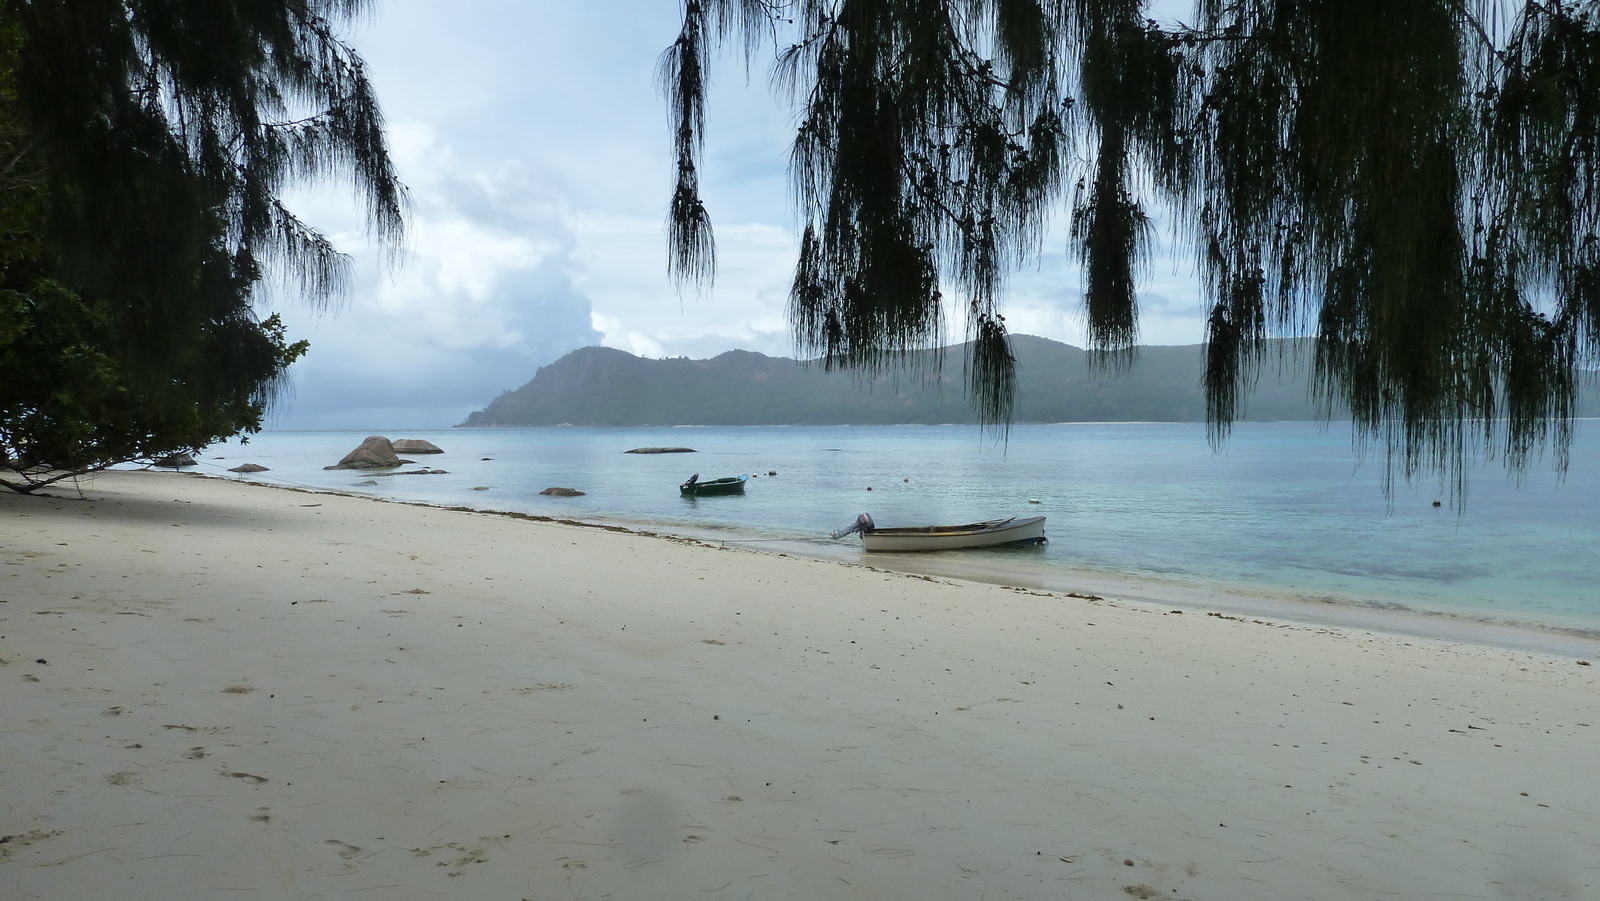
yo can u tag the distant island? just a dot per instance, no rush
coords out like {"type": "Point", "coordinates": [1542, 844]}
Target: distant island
{"type": "Point", "coordinates": [602, 386]}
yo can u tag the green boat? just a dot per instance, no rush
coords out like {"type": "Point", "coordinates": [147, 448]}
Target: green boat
{"type": "Point", "coordinates": [696, 488]}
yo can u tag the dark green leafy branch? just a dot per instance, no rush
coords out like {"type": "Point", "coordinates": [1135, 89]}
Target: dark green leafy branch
{"type": "Point", "coordinates": [1412, 183]}
{"type": "Point", "coordinates": [144, 149]}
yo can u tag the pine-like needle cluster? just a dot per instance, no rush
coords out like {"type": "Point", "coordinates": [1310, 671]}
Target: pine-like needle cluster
{"type": "Point", "coordinates": [1413, 183]}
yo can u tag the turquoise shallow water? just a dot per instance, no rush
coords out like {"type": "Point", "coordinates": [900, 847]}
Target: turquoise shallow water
{"type": "Point", "coordinates": [1285, 508]}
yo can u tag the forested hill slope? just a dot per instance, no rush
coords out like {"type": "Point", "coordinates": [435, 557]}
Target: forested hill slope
{"type": "Point", "coordinates": [601, 386]}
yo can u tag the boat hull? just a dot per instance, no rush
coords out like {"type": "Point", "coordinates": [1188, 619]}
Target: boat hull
{"type": "Point", "coordinates": [732, 485]}
{"type": "Point", "coordinates": [950, 538]}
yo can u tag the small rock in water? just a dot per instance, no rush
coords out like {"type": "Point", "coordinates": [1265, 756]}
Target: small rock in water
{"type": "Point", "coordinates": [368, 482]}
{"type": "Point", "coordinates": [250, 467]}
{"type": "Point", "coordinates": [480, 488]}
{"type": "Point", "coordinates": [1436, 503]}
{"type": "Point", "coordinates": [562, 492]}
{"type": "Point", "coordinates": [772, 472]}
{"type": "Point", "coordinates": [1033, 500]}
{"type": "Point", "coordinates": [661, 450]}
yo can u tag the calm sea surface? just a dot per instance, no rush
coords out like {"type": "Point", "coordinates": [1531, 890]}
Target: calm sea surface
{"type": "Point", "coordinates": [1284, 509]}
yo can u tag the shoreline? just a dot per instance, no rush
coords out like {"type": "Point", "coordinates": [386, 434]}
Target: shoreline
{"type": "Point", "coordinates": [217, 688]}
{"type": "Point", "coordinates": [1198, 531]}
{"type": "Point", "coordinates": [1391, 616]}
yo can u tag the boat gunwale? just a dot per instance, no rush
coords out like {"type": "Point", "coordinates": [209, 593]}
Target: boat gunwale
{"type": "Point", "coordinates": [995, 533]}
{"type": "Point", "coordinates": [975, 528]}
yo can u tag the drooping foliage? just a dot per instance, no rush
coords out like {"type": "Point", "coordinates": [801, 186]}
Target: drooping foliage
{"type": "Point", "coordinates": [1415, 183]}
{"type": "Point", "coordinates": [145, 146]}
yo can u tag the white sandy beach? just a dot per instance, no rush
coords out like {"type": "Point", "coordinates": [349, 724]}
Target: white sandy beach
{"type": "Point", "coordinates": [217, 690]}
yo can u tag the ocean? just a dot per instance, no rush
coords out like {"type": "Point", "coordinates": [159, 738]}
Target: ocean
{"type": "Point", "coordinates": [1286, 509]}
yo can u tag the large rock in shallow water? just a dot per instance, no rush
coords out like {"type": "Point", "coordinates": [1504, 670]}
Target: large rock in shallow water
{"type": "Point", "coordinates": [374, 453]}
{"type": "Point", "coordinates": [416, 446]}
{"type": "Point", "coordinates": [251, 467]}
{"type": "Point", "coordinates": [661, 450]}
{"type": "Point", "coordinates": [562, 492]}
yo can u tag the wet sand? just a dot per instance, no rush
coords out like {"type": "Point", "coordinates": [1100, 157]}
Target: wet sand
{"type": "Point", "coordinates": [215, 689]}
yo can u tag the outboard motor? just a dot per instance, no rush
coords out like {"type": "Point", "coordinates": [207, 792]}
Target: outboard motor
{"type": "Point", "coordinates": [693, 479]}
{"type": "Point", "coordinates": [863, 524]}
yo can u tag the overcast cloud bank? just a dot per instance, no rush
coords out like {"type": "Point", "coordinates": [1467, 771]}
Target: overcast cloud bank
{"type": "Point", "coordinates": [535, 145]}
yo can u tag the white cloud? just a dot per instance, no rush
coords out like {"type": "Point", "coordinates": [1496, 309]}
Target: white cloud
{"type": "Point", "coordinates": [536, 145]}
{"type": "Point", "coordinates": [483, 296]}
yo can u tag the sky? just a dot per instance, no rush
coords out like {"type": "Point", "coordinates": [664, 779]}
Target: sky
{"type": "Point", "coordinates": [535, 145]}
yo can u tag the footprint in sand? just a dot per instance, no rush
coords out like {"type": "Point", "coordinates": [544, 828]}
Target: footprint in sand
{"type": "Point", "coordinates": [123, 778]}
{"type": "Point", "coordinates": [248, 777]}
{"type": "Point", "coordinates": [262, 815]}
{"type": "Point", "coordinates": [342, 849]}
{"type": "Point", "coordinates": [238, 690]}
{"type": "Point", "coordinates": [194, 753]}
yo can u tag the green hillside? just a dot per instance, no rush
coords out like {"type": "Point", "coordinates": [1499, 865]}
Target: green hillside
{"type": "Point", "coordinates": [601, 386]}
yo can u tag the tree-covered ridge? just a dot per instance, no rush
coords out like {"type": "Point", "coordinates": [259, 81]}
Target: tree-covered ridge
{"type": "Point", "coordinates": [1413, 183]}
{"type": "Point", "coordinates": [601, 386]}
{"type": "Point", "coordinates": [144, 149]}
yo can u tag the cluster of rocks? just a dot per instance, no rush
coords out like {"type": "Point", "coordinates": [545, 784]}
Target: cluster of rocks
{"type": "Point", "coordinates": [174, 461]}
{"type": "Point", "coordinates": [378, 452]}
{"type": "Point", "coordinates": [181, 461]}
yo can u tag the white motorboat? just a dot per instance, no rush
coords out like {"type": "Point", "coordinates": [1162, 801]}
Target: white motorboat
{"type": "Point", "coordinates": [1016, 530]}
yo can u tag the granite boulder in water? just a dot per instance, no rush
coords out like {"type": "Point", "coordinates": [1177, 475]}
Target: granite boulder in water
{"type": "Point", "coordinates": [563, 492]}
{"type": "Point", "coordinates": [374, 453]}
{"type": "Point", "coordinates": [416, 446]}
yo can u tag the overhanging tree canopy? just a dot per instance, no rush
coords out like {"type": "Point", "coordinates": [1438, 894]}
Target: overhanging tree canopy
{"type": "Point", "coordinates": [1414, 182]}
{"type": "Point", "coordinates": [144, 149]}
